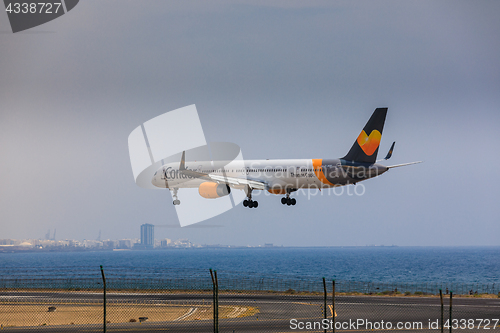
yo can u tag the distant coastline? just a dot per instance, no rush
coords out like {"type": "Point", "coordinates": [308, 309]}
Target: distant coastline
{"type": "Point", "coordinates": [5, 249]}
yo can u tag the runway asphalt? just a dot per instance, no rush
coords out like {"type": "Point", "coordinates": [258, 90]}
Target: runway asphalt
{"type": "Point", "coordinates": [278, 312]}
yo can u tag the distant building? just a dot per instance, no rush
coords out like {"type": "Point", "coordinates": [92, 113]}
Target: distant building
{"type": "Point", "coordinates": [89, 243]}
{"type": "Point", "coordinates": [165, 242]}
{"type": "Point", "coordinates": [148, 235]}
{"type": "Point", "coordinates": [124, 244]}
{"type": "Point", "coordinates": [7, 242]}
{"type": "Point", "coordinates": [108, 244]}
{"type": "Point", "coordinates": [182, 243]}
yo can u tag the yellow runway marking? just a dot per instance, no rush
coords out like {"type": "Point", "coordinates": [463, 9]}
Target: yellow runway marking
{"type": "Point", "coordinates": [331, 310]}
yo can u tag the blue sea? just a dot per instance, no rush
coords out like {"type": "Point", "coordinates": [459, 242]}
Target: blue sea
{"type": "Point", "coordinates": [478, 265]}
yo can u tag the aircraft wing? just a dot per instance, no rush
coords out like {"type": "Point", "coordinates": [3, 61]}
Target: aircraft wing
{"type": "Point", "coordinates": [195, 174]}
{"type": "Point", "coordinates": [253, 184]}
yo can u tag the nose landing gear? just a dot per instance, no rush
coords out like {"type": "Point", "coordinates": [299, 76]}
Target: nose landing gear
{"type": "Point", "coordinates": [174, 195]}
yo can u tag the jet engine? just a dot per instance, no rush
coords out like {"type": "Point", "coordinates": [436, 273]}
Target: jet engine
{"type": "Point", "coordinates": [211, 190]}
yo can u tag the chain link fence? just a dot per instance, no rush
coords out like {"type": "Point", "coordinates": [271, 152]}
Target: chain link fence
{"type": "Point", "coordinates": [77, 299]}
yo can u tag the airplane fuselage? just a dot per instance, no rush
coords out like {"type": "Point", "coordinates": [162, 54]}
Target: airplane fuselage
{"type": "Point", "coordinates": [215, 179]}
{"type": "Point", "coordinates": [278, 175]}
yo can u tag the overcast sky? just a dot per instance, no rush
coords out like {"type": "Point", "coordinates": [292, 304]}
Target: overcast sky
{"type": "Point", "coordinates": [282, 79]}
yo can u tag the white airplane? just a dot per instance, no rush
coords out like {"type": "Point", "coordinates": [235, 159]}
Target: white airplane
{"type": "Point", "coordinates": [215, 179]}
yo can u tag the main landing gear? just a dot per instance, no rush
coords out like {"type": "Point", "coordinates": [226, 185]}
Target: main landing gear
{"type": "Point", "coordinates": [249, 203]}
{"type": "Point", "coordinates": [174, 194]}
{"type": "Point", "coordinates": [288, 201]}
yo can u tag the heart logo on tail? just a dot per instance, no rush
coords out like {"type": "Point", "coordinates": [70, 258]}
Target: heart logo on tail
{"type": "Point", "coordinates": [370, 143]}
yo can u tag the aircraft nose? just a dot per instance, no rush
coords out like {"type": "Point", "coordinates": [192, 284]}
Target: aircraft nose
{"type": "Point", "coordinates": [156, 180]}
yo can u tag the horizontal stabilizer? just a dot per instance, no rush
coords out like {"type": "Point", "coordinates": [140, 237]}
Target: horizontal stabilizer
{"type": "Point", "coordinates": [404, 164]}
{"type": "Point", "coordinates": [389, 153]}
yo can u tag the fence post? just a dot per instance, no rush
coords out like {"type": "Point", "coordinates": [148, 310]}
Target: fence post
{"type": "Point", "coordinates": [442, 310]}
{"type": "Point", "coordinates": [333, 306]}
{"type": "Point", "coordinates": [451, 305]}
{"type": "Point", "coordinates": [217, 300]}
{"type": "Point", "coordinates": [324, 301]}
{"type": "Point", "coordinates": [214, 300]}
{"type": "Point", "coordinates": [104, 299]}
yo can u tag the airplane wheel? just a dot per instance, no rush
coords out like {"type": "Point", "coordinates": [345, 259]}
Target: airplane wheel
{"type": "Point", "coordinates": [255, 204]}
{"type": "Point", "coordinates": [293, 201]}
{"type": "Point", "coordinates": [288, 201]}
{"type": "Point", "coordinates": [283, 201]}
{"type": "Point", "coordinates": [177, 202]}
{"type": "Point", "coordinates": [245, 203]}
{"type": "Point", "coordinates": [250, 204]}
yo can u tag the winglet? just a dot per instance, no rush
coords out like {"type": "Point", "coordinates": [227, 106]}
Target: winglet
{"type": "Point", "coordinates": [389, 154]}
{"type": "Point", "coordinates": [182, 166]}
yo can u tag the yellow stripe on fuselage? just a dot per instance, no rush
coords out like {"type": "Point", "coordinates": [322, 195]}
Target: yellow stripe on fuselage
{"type": "Point", "coordinates": [318, 170]}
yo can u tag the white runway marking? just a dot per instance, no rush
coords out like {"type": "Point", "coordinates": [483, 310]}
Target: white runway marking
{"type": "Point", "coordinates": [236, 312]}
{"type": "Point", "coordinates": [187, 314]}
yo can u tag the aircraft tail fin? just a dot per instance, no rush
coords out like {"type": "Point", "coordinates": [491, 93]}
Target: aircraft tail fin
{"type": "Point", "coordinates": [365, 148]}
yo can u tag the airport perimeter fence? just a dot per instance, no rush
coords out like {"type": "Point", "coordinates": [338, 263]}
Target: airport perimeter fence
{"type": "Point", "coordinates": [117, 299]}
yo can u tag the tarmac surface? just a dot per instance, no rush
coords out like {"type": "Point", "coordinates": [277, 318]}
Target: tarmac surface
{"type": "Point", "coordinates": [281, 313]}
